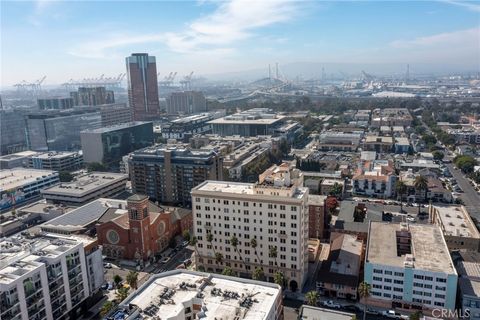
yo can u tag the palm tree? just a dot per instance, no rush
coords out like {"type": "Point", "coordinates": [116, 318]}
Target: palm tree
{"type": "Point", "coordinates": [121, 294]}
{"type": "Point", "coordinates": [218, 258]}
{"type": "Point", "coordinates": [311, 297]}
{"type": "Point", "coordinates": [227, 271]}
{"type": "Point", "coordinates": [258, 274]}
{"type": "Point", "coordinates": [132, 279]}
{"type": "Point", "coordinates": [421, 184]}
{"type": "Point", "coordinates": [417, 315]}
{"type": "Point", "coordinates": [279, 278]}
{"type": "Point", "coordinates": [106, 308]}
{"type": "Point", "coordinates": [364, 293]}
{"type": "Point", "coordinates": [401, 189]}
{"type": "Point", "coordinates": [273, 253]}
{"type": "Point", "coordinates": [193, 242]}
{"type": "Point", "coordinates": [254, 245]}
{"type": "Point", "coordinates": [186, 235]}
{"type": "Point", "coordinates": [234, 243]}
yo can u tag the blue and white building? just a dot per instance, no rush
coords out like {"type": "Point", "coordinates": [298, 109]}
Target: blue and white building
{"type": "Point", "coordinates": [409, 267]}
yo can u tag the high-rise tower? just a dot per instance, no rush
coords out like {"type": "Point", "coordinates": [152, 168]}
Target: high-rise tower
{"type": "Point", "coordinates": [142, 86]}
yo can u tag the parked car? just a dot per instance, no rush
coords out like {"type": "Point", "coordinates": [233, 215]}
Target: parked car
{"type": "Point", "coordinates": [110, 286]}
{"type": "Point", "coordinates": [352, 308]}
{"type": "Point", "coordinates": [372, 311]}
{"type": "Point", "coordinates": [165, 260]}
{"type": "Point", "coordinates": [104, 286]}
{"type": "Point", "coordinates": [391, 314]}
{"type": "Point", "coordinates": [185, 243]}
{"type": "Point", "coordinates": [107, 265]}
{"type": "Point", "coordinates": [331, 304]}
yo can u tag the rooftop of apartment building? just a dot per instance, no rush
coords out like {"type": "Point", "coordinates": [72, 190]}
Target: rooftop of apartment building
{"type": "Point", "coordinates": [427, 251]}
{"type": "Point", "coordinates": [85, 184]}
{"type": "Point", "coordinates": [455, 221]}
{"type": "Point", "coordinates": [378, 139]}
{"type": "Point", "coordinates": [23, 253]}
{"type": "Point", "coordinates": [316, 200]}
{"type": "Point", "coordinates": [219, 297]}
{"type": "Point", "coordinates": [179, 149]}
{"type": "Point", "coordinates": [17, 177]}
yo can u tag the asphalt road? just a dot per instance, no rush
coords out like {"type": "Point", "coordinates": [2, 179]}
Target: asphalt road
{"type": "Point", "coordinates": [470, 196]}
{"type": "Point", "coordinates": [175, 261]}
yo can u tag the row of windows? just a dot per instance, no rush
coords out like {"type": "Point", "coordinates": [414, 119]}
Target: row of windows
{"type": "Point", "coordinates": [387, 280]}
{"type": "Point", "coordinates": [246, 204]}
{"type": "Point", "coordinates": [388, 272]}
{"type": "Point", "coordinates": [245, 212]}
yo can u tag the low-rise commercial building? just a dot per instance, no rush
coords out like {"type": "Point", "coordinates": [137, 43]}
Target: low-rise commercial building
{"type": "Point", "coordinates": [57, 161]}
{"type": "Point", "coordinates": [86, 188]}
{"type": "Point", "coordinates": [392, 117]}
{"type": "Point", "coordinates": [184, 128]}
{"type": "Point", "coordinates": [15, 160]}
{"type": "Point", "coordinates": [182, 294]}
{"type": "Point", "coordinates": [19, 185]}
{"type": "Point", "coordinates": [379, 144]}
{"type": "Point", "coordinates": [468, 268]}
{"type": "Point", "coordinates": [48, 276]}
{"type": "Point", "coordinates": [253, 122]}
{"type": "Point", "coordinates": [338, 141]}
{"type": "Point", "coordinates": [409, 266]}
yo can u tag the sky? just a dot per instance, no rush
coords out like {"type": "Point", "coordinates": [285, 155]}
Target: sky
{"type": "Point", "coordinates": [78, 39]}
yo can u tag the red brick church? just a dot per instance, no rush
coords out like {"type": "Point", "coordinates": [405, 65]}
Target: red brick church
{"type": "Point", "coordinates": [140, 230]}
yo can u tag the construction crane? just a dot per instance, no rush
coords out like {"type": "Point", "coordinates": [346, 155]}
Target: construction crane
{"type": "Point", "coordinates": [30, 87]}
{"type": "Point", "coordinates": [101, 81]}
{"type": "Point", "coordinates": [187, 81]}
{"type": "Point", "coordinates": [168, 80]}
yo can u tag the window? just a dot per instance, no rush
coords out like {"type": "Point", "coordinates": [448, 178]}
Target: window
{"type": "Point", "coordinates": [398, 289]}
{"type": "Point", "coordinates": [440, 296]}
{"type": "Point", "coordinates": [378, 271]}
{"type": "Point", "coordinates": [441, 280]}
{"type": "Point", "coordinates": [398, 274]}
{"type": "Point", "coordinates": [418, 285]}
{"type": "Point", "coordinates": [387, 288]}
{"type": "Point", "coordinates": [417, 276]}
{"type": "Point", "coordinates": [388, 272]}
{"type": "Point", "coordinates": [377, 279]}
{"type": "Point", "coordinates": [388, 280]}
{"type": "Point", "coordinates": [428, 278]}
{"type": "Point", "coordinates": [398, 281]}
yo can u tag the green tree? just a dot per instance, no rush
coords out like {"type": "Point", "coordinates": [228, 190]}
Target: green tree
{"type": "Point", "coordinates": [193, 242]}
{"type": "Point", "coordinates": [258, 274]}
{"type": "Point", "coordinates": [227, 271]}
{"type": "Point", "coordinates": [121, 294]}
{"type": "Point", "coordinates": [106, 308]}
{"type": "Point", "coordinates": [421, 185]}
{"type": "Point", "coordinates": [65, 176]}
{"type": "Point", "coordinates": [117, 280]}
{"type": "Point", "coordinates": [273, 253]}
{"type": "Point", "coordinates": [438, 155]}
{"type": "Point", "coordinates": [311, 297]}
{"type": "Point", "coordinates": [336, 190]}
{"type": "Point", "coordinates": [254, 245]}
{"type": "Point", "coordinates": [401, 189]}
{"type": "Point", "coordinates": [234, 244]}
{"type": "Point", "coordinates": [132, 279]}
{"type": "Point", "coordinates": [186, 235]}
{"type": "Point", "coordinates": [364, 292]}
{"type": "Point", "coordinates": [417, 315]}
{"type": "Point", "coordinates": [279, 278]}
{"type": "Point", "coordinates": [218, 257]}
{"type": "Point", "coordinates": [465, 163]}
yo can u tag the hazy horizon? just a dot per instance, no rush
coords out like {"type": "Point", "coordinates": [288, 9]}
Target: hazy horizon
{"type": "Point", "coordinates": [65, 40]}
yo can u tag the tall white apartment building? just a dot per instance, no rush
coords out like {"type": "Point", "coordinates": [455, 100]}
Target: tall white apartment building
{"type": "Point", "coordinates": [47, 276]}
{"type": "Point", "coordinates": [409, 266]}
{"type": "Point", "coordinates": [273, 211]}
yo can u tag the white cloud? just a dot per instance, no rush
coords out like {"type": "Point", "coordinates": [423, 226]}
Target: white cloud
{"type": "Point", "coordinates": [466, 4]}
{"type": "Point", "coordinates": [218, 32]}
{"type": "Point", "coordinates": [466, 38]}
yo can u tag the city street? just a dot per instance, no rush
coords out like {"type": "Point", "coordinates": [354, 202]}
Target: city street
{"type": "Point", "coordinates": [470, 196]}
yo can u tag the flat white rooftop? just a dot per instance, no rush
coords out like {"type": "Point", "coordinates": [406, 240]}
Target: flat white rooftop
{"type": "Point", "coordinates": [85, 184]}
{"type": "Point", "coordinates": [18, 177]}
{"type": "Point", "coordinates": [428, 247]}
{"type": "Point", "coordinates": [56, 155]}
{"type": "Point", "coordinates": [227, 187]}
{"type": "Point", "coordinates": [220, 297]}
{"type": "Point", "coordinates": [455, 222]}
